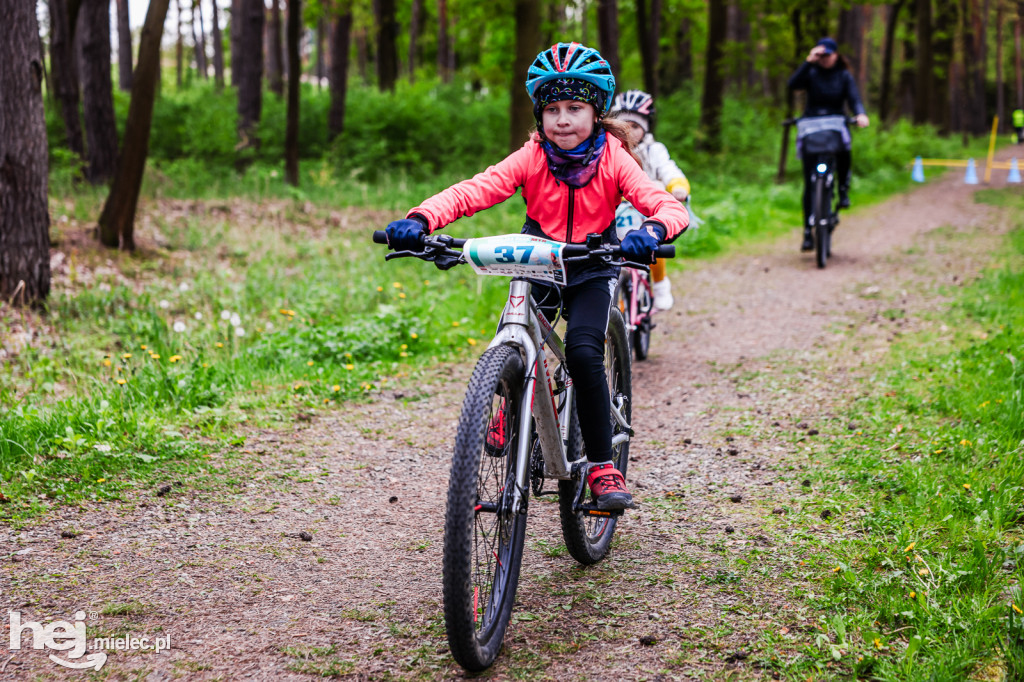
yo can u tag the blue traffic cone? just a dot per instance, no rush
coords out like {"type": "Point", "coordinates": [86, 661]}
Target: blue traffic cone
{"type": "Point", "coordinates": [1014, 175]}
{"type": "Point", "coordinates": [971, 177]}
{"type": "Point", "coordinates": [917, 175]}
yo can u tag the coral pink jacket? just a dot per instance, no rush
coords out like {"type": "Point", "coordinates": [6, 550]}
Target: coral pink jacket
{"type": "Point", "coordinates": [565, 214]}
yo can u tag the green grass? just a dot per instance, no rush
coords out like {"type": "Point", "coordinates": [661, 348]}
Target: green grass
{"type": "Point", "coordinates": [924, 581]}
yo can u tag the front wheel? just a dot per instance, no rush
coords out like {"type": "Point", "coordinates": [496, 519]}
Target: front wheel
{"type": "Point", "coordinates": [588, 537]}
{"type": "Point", "coordinates": [822, 212]}
{"type": "Point", "coordinates": [484, 530]}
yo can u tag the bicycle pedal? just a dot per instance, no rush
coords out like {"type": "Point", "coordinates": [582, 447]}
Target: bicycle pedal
{"type": "Point", "coordinates": [591, 510]}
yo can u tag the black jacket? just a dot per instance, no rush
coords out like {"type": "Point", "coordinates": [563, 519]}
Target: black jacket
{"type": "Point", "coordinates": [827, 90]}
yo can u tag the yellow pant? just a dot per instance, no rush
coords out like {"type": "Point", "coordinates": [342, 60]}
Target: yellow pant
{"type": "Point", "coordinates": [658, 270]}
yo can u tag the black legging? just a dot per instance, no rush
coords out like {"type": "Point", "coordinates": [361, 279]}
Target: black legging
{"type": "Point", "coordinates": [842, 177]}
{"type": "Point", "coordinates": [586, 307]}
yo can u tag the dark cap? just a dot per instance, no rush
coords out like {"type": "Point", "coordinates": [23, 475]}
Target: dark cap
{"type": "Point", "coordinates": [829, 45]}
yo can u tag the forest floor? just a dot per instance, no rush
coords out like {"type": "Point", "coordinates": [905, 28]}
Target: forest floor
{"type": "Point", "coordinates": [704, 580]}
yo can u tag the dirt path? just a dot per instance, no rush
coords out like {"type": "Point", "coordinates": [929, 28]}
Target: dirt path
{"type": "Point", "coordinates": [760, 345]}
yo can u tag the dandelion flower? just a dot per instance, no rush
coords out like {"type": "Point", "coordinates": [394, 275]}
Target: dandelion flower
{"type": "Point", "coordinates": [219, 344]}
{"type": "Point", "coordinates": [455, 323]}
{"type": "Point", "coordinates": [122, 382]}
{"type": "Point", "coordinates": [350, 367]}
{"type": "Point", "coordinates": [414, 335]}
{"type": "Point", "coordinates": [174, 358]}
{"type": "Point", "coordinates": [206, 364]}
{"type": "Point", "coordinates": [426, 282]}
{"type": "Point", "coordinates": [837, 569]}
{"type": "Point", "coordinates": [297, 386]}
{"type": "Point", "coordinates": [106, 362]}
{"type": "Point", "coordinates": [913, 594]}
{"type": "Point", "coordinates": [236, 319]}
{"type": "Point", "coordinates": [182, 383]}
{"type": "Point", "coordinates": [380, 288]}
{"type": "Point", "coordinates": [100, 480]}
{"type": "Point", "coordinates": [967, 486]}
{"type": "Point", "coordinates": [471, 342]}
{"type": "Point", "coordinates": [403, 354]}
{"type": "Point", "coordinates": [1017, 609]}
{"type": "Point", "coordinates": [965, 442]}
{"type": "Point", "coordinates": [183, 286]}
{"type": "Point", "coordinates": [125, 356]}
{"type": "Point", "coordinates": [270, 326]}
{"type": "Point", "coordinates": [910, 546]}
{"type": "Point", "coordinates": [326, 400]}
{"type": "Point", "coordinates": [239, 331]}
{"type": "Point", "coordinates": [877, 643]}
{"type": "Point", "coordinates": [155, 356]}
{"type": "Point", "coordinates": [401, 295]}
{"type": "Point", "coordinates": [405, 346]}
{"type": "Point", "coordinates": [335, 388]}
{"type": "Point", "coordinates": [309, 363]}
{"type": "Point", "coordinates": [225, 315]}
{"type": "Point", "coordinates": [164, 304]}
{"type": "Point", "coordinates": [143, 346]}
{"type": "Point", "coordinates": [179, 326]}
{"type": "Point", "coordinates": [397, 285]}
{"type": "Point", "coordinates": [198, 316]}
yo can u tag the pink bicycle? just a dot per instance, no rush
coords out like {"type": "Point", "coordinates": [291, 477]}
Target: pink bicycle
{"type": "Point", "coordinates": [634, 296]}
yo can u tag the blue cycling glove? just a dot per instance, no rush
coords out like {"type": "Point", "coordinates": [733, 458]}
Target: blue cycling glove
{"type": "Point", "coordinates": [406, 234]}
{"type": "Point", "coordinates": [639, 245]}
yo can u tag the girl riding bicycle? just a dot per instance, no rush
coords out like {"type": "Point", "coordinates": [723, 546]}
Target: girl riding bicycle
{"type": "Point", "coordinates": [573, 174]}
{"type": "Point", "coordinates": [636, 108]}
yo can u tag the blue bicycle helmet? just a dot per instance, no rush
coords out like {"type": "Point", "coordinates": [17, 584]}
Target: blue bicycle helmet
{"type": "Point", "coordinates": [572, 60]}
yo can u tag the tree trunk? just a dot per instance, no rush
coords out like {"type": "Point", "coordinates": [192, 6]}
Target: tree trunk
{"type": "Point", "coordinates": [362, 55]}
{"type": "Point", "coordinates": [1017, 55]}
{"type": "Point", "coordinates": [908, 73]}
{"type": "Point", "coordinates": [197, 42]}
{"type": "Point", "coordinates": [443, 61]}
{"type": "Point", "coordinates": [816, 18]}
{"type": "Point", "coordinates": [924, 64]}
{"type": "Point", "coordinates": [852, 28]}
{"type": "Point", "coordinates": [201, 45]}
{"type": "Point", "coordinates": [218, 47]}
{"type": "Point", "coordinates": [62, 72]}
{"type": "Point", "coordinates": [414, 33]}
{"type": "Point", "coordinates": [387, 51]}
{"type": "Point", "coordinates": [291, 134]}
{"type": "Point", "coordinates": [117, 221]}
{"type": "Point", "coordinates": [124, 46]}
{"type": "Point", "coordinates": [97, 91]}
{"type": "Point", "coordinates": [275, 58]}
{"type": "Point", "coordinates": [740, 76]}
{"type": "Point", "coordinates": [608, 33]}
{"type": "Point", "coordinates": [340, 42]}
{"type": "Point", "coordinates": [885, 95]}
{"type": "Point", "coordinates": [976, 14]}
{"type": "Point", "coordinates": [521, 121]}
{"type": "Point", "coordinates": [1000, 83]}
{"type": "Point", "coordinates": [250, 73]}
{"type": "Point", "coordinates": [321, 63]}
{"type": "Point", "coordinates": [179, 46]}
{"type": "Point", "coordinates": [24, 212]}
{"type": "Point", "coordinates": [648, 31]}
{"type": "Point", "coordinates": [236, 39]}
{"type": "Point", "coordinates": [944, 28]}
{"type": "Point", "coordinates": [714, 83]}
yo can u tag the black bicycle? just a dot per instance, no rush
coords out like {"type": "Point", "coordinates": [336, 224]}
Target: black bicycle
{"type": "Point", "coordinates": [822, 138]}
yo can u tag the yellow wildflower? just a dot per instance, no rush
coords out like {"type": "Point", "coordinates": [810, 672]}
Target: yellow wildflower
{"type": "Point", "coordinates": [910, 546]}
{"type": "Point", "coordinates": [1017, 609]}
{"type": "Point", "coordinates": [126, 356]}
{"type": "Point", "coordinates": [335, 388]}
{"type": "Point", "coordinates": [155, 356]}
{"type": "Point", "coordinates": [455, 323]}
{"type": "Point", "coordinates": [106, 363]}
{"type": "Point", "coordinates": [143, 346]}
{"type": "Point", "coordinates": [923, 571]}
{"type": "Point", "coordinates": [309, 363]}
{"type": "Point", "coordinates": [174, 358]}
{"type": "Point", "coordinates": [471, 342]}
{"type": "Point", "coordinates": [397, 285]}
{"type": "Point", "coordinates": [414, 335]}
{"type": "Point", "coordinates": [965, 442]}
{"type": "Point", "coordinates": [380, 288]}
{"type": "Point", "coordinates": [122, 382]}
{"type": "Point", "coordinates": [837, 569]}
{"type": "Point", "coordinates": [405, 346]}
{"type": "Point", "coordinates": [100, 480]}
{"type": "Point", "coordinates": [401, 295]}
{"type": "Point", "coordinates": [877, 643]}
{"type": "Point", "coordinates": [403, 354]}
{"type": "Point", "coordinates": [219, 344]}
{"type": "Point", "coordinates": [913, 594]}
{"type": "Point", "coordinates": [967, 486]}
{"type": "Point", "coordinates": [350, 367]}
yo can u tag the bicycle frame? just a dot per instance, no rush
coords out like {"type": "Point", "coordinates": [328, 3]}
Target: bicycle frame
{"type": "Point", "coordinates": [523, 327]}
{"type": "Point", "coordinates": [637, 279]}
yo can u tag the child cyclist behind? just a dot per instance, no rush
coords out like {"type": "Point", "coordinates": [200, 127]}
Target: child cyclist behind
{"type": "Point", "coordinates": [636, 108]}
{"type": "Point", "coordinates": [573, 174]}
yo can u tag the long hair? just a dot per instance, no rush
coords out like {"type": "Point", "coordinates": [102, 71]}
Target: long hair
{"type": "Point", "coordinates": [620, 129]}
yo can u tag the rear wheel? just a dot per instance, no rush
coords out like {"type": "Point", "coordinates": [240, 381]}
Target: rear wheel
{"type": "Point", "coordinates": [644, 308]}
{"type": "Point", "coordinates": [821, 220]}
{"type": "Point", "coordinates": [589, 537]}
{"type": "Point", "coordinates": [484, 532]}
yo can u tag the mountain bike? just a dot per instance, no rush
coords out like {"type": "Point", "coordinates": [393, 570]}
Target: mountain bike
{"type": "Point", "coordinates": [823, 137]}
{"type": "Point", "coordinates": [634, 293]}
{"type": "Point", "coordinates": [516, 394]}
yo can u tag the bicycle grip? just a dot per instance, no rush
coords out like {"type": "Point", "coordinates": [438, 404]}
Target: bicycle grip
{"type": "Point", "coordinates": [380, 237]}
{"type": "Point", "coordinates": [666, 251]}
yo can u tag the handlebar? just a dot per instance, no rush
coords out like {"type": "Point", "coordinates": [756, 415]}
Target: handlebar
{"type": "Point", "coordinates": [443, 245]}
{"type": "Point", "coordinates": [850, 120]}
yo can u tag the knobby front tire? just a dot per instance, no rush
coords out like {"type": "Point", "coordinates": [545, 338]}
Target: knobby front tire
{"type": "Point", "coordinates": [588, 538]}
{"type": "Point", "coordinates": [822, 212]}
{"type": "Point", "coordinates": [484, 535]}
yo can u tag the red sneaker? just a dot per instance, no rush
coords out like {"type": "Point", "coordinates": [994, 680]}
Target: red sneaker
{"type": "Point", "coordinates": [609, 487]}
{"type": "Point", "coordinates": [494, 443]}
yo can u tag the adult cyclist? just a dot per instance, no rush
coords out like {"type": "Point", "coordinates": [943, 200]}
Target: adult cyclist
{"type": "Point", "coordinates": [826, 78]}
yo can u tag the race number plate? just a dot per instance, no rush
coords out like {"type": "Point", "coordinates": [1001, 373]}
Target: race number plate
{"type": "Point", "coordinates": [627, 219]}
{"type": "Point", "coordinates": [517, 255]}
